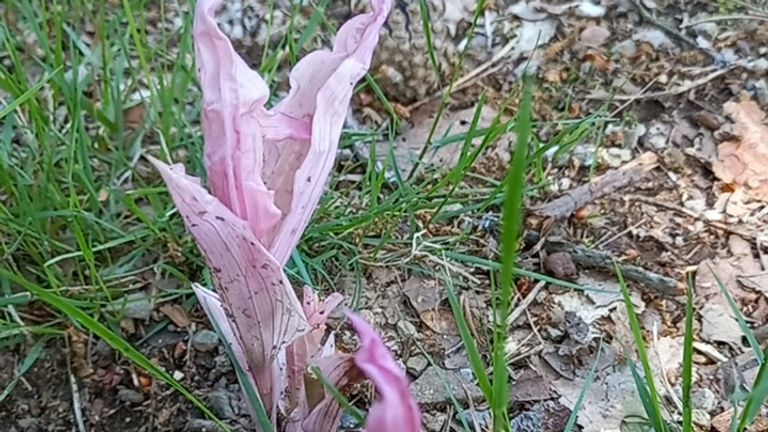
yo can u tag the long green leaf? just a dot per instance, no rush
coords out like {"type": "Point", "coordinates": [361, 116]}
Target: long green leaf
{"type": "Point", "coordinates": [512, 218]}
{"type": "Point", "coordinates": [475, 359]}
{"type": "Point", "coordinates": [756, 398]}
{"type": "Point", "coordinates": [587, 383]}
{"type": "Point", "coordinates": [688, 358]}
{"type": "Point", "coordinates": [31, 92]}
{"type": "Point", "coordinates": [751, 339]}
{"type": "Point", "coordinates": [26, 364]}
{"type": "Point", "coordinates": [652, 406]}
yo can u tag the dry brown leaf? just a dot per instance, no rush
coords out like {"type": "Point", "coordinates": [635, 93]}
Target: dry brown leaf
{"type": "Point", "coordinates": [744, 162]}
{"type": "Point", "coordinates": [134, 116]}
{"type": "Point", "coordinates": [177, 314]}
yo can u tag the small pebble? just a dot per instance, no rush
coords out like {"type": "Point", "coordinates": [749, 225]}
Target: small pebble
{"type": "Point", "coordinates": [704, 399]}
{"type": "Point", "coordinates": [416, 365]}
{"type": "Point", "coordinates": [137, 305]}
{"type": "Point", "coordinates": [406, 329]}
{"type": "Point", "coordinates": [561, 266]}
{"type": "Point", "coordinates": [348, 422]}
{"type": "Point", "coordinates": [205, 340]}
{"type": "Point", "coordinates": [201, 425]}
{"type": "Point", "coordinates": [481, 419]}
{"type": "Point", "coordinates": [707, 120]}
{"type": "Point", "coordinates": [220, 403]}
{"type": "Point", "coordinates": [130, 396]}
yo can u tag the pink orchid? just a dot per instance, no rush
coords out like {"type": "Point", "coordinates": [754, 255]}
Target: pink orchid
{"type": "Point", "coordinates": [267, 169]}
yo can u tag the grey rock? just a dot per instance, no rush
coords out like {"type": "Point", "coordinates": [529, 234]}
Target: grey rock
{"type": "Point", "coordinates": [166, 338]}
{"type": "Point", "coordinates": [657, 38]}
{"type": "Point", "coordinates": [29, 424]}
{"type": "Point", "coordinates": [221, 404]}
{"type": "Point", "coordinates": [205, 340]}
{"type": "Point", "coordinates": [760, 65]}
{"type": "Point", "coordinates": [434, 421]}
{"type": "Point", "coordinates": [436, 386]}
{"type": "Point", "coordinates": [588, 9]}
{"type": "Point", "coordinates": [584, 154]}
{"type": "Point", "coordinates": [348, 422]}
{"type": "Point", "coordinates": [708, 29]}
{"type": "Point", "coordinates": [529, 421]}
{"type": "Point", "coordinates": [416, 365]}
{"type": "Point", "coordinates": [702, 419]}
{"type": "Point", "coordinates": [137, 305]}
{"type": "Point", "coordinates": [626, 48]}
{"type": "Point", "coordinates": [704, 399]}
{"type": "Point", "coordinates": [201, 425]}
{"type": "Point", "coordinates": [406, 329]}
{"type": "Point", "coordinates": [130, 396]}
{"type": "Point", "coordinates": [483, 419]}
{"type": "Point", "coordinates": [761, 91]}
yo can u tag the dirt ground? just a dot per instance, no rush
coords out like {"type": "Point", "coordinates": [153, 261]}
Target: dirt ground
{"type": "Point", "coordinates": [673, 183]}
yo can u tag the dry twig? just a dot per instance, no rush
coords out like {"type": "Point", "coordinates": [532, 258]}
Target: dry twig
{"type": "Point", "coordinates": [605, 184]}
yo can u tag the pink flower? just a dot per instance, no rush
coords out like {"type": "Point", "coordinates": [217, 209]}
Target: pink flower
{"type": "Point", "coordinates": [267, 169]}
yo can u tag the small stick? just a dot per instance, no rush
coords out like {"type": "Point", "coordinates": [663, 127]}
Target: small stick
{"type": "Point", "coordinates": [591, 258]}
{"type": "Point", "coordinates": [605, 184]}
{"type": "Point", "coordinates": [689, 213]}
{"type": "Point", "coordinates": [669, 30]}
{"type": "Point", "coordinates": [671, 92]}
{"type": "Point", "coordinates": [724, 18]}
{"type": "Point", "coordinates": [604, 261]}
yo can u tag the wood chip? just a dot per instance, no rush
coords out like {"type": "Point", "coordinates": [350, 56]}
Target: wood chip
{"type": "Point", "coordinates": [177, 314]}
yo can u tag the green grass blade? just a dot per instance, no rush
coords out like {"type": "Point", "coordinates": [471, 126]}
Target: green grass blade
{"type": "Point", "coordinates": [653, 406]}
{"type": "Point", "coordinates": [511, 227]}
{"type": "Point", "coordinates": [751, 339]}
{"type": "Point", "coordinates": [587, 383]}
{"type": "Point", "coordinates": [473, 354]}
{"type": "Point", "coordinates": [646, 398]}
{"type": "Point", "coordinates": [336, 394]}
{"type": "Point", "coordinates": [756, 398]}
{"type": "Point", "coordinates": [30, 93]}
{"type": "Point", "coordinates": [688, 358]}
{"type": "Point", "coordinates": [26, 364]}
{"type": "Point", "coordinates": [112, 339]}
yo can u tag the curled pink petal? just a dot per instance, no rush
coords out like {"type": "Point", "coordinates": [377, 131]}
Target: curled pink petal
{"type": "Point", "coordinates": [394, 409]}
{"type": "Point", "coordinates": [306, 348]}
{"type": "Point", "coordinates": [322, 84]}
{"type": "Point", "coordinates": [319, 411]}
{"type": "Point", "coordinates": [270, 167]}
{"type": "Point", "coordinates": [256, 295]}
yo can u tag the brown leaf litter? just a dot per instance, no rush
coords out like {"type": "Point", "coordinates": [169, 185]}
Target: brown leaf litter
{"type": "Point", "coordinates": [743, 161]}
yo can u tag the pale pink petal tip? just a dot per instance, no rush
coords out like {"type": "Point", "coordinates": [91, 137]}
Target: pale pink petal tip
{"type": "Point", "coordinates": [395, 408]}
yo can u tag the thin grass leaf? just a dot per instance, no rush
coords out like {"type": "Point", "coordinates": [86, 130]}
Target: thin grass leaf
{"type": "Point", "coordinates": [26, 364]}
{"type": "Point", "coordinates": [646, 398]}
{"type": "Point", "coordinates": [115, 341]}
{"type": "Point", "coordinates": [511, 226]}
{"type": "Point", "coordinates": [426, 24]}
{"type": "Point", "coordinates": [336, 395]}
{"type": "Point", "coordinates": [587, 383]}
{"type": "Point", "coordinates": [688, 358]}
{"type": "Point", "coordinates": [648, 390]}
{"type": "Point", "coordinates": [756, 398]}
{"type": "Point", "coordinates": [30, 93]}
{"type": "Point", "coordinates": [751, 339]}
{"type": "Point", "coordinates": [473, 354]}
